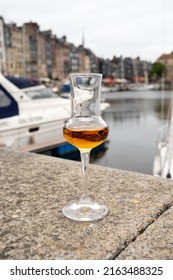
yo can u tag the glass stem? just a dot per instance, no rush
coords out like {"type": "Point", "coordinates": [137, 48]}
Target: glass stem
{"type": "Point", "coordinates": [85, 156]}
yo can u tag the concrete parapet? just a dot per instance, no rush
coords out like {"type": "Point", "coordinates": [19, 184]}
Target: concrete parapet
{"type": "Point", "coordinates": [34, 188]}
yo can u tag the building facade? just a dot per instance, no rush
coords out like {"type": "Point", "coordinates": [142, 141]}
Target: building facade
{"type": "Point", "coordinates": [30, 49]}
{"type": "Point", "coordinates": [84, 60]}
{"type": "Point", "coordinates": [29, 52]}
{"type": "Point", "coordinates": [42, 66]}
{"type": "Point", "coordinates": [128, 69]}
{"type": "Point", "coordinates": [63, 59]}
{"type": "Point", "coordinates": [2, 47]}
{"type": "Point", "coordinates": [74, 59]}
{"type": "Point", "coordinates": [14, 50]}
{"type": "Point", "coordinates": [167, 60]}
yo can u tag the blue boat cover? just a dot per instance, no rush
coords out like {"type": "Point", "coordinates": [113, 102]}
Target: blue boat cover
{"type": "Point", "coordinates": [22, 82]}
{"type": "Point", "coordinates": [8, 106]}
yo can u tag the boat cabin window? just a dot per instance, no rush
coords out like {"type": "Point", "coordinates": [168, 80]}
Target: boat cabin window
{"type": "Point", "coordinates": [40, 93]}
{"type": "Point", "coordinates": [4, 100]}
{"type": "Point", "coordinates": [8, 106]}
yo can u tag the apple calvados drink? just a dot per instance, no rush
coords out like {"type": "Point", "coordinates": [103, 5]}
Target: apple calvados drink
{"type": "Point", "coordinates": [85, 129]}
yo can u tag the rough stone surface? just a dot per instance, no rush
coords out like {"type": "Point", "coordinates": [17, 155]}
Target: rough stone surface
{"type": "Point", "coordinates": [154, 243]}
{"type": "Point", "coordinates": [34, 188]}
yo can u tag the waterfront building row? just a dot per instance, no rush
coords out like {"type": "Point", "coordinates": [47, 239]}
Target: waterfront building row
{"type": "Point", "coordinates": [26, 51]}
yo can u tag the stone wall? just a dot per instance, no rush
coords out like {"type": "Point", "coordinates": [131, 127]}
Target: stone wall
{"type": "Point", "coordinates": [34, 188]}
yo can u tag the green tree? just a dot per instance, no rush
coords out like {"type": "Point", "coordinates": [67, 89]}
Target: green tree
{"type": "Point", "coordinates": [157, 70]}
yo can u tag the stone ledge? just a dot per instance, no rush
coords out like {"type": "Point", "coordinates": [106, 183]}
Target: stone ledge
{"type": "Point", "coordinates": [34, 188]}
{"type": "Point", "coordinates": [154, 243]}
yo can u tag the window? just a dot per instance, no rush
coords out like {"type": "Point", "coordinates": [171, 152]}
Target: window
{"type": "Point", "coordinates": [40, 93]}
{"type": "Point", "coordinates": [8, 106]}
{"type": "Point", "coordinates": [4, 100]}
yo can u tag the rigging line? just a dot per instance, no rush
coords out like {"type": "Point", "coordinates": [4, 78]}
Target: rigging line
{"type": "Point", "coordinates": [170, 137]}
{"type": "Point", "coordinates": [163, 25]}
{"type": "Point", "coordinates": [163, 48]}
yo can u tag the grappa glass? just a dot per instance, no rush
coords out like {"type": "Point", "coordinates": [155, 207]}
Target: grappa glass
{"type": "Point", "coordinates": [85, 129]}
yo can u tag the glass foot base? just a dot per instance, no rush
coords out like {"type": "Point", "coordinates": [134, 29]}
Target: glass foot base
{"type": "Point", "coordinates": [85, 210]}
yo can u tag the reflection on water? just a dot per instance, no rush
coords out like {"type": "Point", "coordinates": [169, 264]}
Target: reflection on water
{"type": "Point", "coordinates": [133, 119]}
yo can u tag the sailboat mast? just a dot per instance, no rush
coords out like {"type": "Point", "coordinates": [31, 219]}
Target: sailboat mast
{"type": "Point", "coordinates": [146, 73]}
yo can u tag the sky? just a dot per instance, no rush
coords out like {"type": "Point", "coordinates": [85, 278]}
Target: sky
{"type": "Point", "coordinates": [129, 28]}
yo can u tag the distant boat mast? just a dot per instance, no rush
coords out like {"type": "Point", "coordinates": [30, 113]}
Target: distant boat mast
{"type": "Point", "coordinates": [83, 38]}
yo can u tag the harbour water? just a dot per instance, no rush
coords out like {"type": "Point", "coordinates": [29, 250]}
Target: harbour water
{"type": "Point", "coordinates": [134, 119]}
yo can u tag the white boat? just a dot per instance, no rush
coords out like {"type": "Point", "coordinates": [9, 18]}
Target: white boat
{"type": "Point", "coordinates": [105, 89]}
{"type": "Point", "coordinates": [32, 118]}
{"type": "Point", "coordinates": [163, 161]}
{"type": "Point", "coordinates": [142, 87]}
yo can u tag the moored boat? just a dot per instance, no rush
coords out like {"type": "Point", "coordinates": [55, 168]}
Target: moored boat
{"type": "Point", "coordinates": [31, 115]}
{"type": "Point", "coordinates": [142, 87]}
{"type": "Point", "coordinates": [163, 161]}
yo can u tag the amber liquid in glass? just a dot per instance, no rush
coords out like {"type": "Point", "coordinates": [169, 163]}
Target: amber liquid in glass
{"type": "Point", "coordinates": [86, 138]}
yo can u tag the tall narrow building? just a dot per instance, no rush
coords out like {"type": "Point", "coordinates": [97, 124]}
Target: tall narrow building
{"type": "Point", "coordinates": [13, 50]}
{"type": "Point", "coordinates": [30, 49]}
